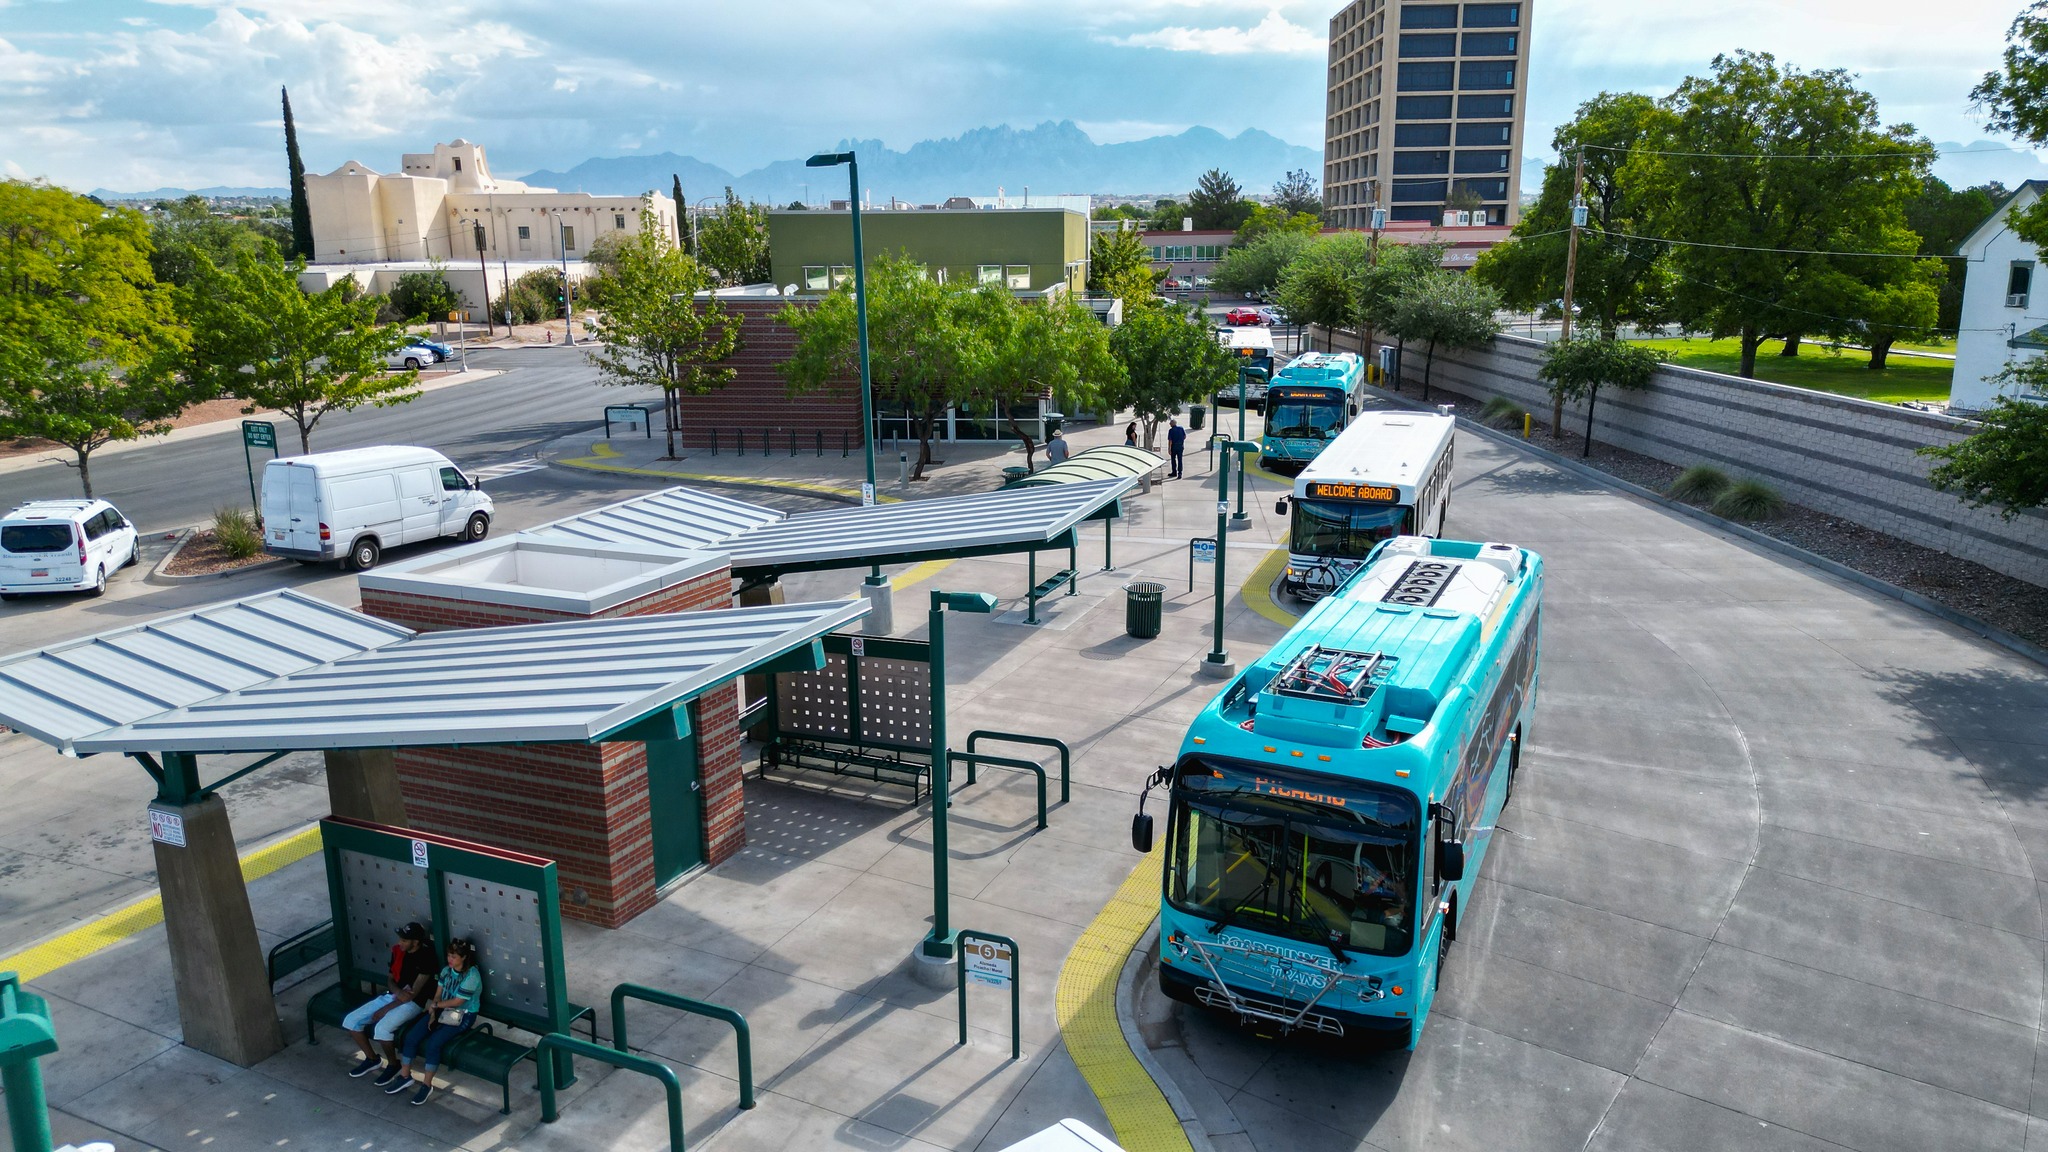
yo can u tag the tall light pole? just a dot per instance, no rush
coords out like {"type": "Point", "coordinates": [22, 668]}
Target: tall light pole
{"type": "Point", "coordinates": [568, 297]}
{"type": "Point", "coordinates": [1217, 663]}
{"type": "Point", "coordinates": [691, 212]}
{"type": "Point", "coordinates": [874, 587]}
{"type": "Point", "coordinates": [1243, 372]}
{"type": "Point", "coordinates": [939, 945]}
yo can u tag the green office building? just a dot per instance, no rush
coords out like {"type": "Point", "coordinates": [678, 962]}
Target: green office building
{"type": "Point", "coordinates": [1031, 250]}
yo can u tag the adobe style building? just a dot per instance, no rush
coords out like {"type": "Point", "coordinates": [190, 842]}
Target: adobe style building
{"type": "Point", "coordinates": [1424, 99]}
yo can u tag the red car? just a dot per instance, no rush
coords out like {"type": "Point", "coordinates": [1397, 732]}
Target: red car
{"type": "Point", "coordinates": [1243, 317]}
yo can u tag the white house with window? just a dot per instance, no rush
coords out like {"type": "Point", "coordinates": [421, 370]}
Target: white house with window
{"type": "Point", "coordinates": [2005, 304]}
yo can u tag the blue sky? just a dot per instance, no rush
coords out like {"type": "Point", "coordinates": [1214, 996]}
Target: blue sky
{"type": "Point", "coordinates": [129, 94]}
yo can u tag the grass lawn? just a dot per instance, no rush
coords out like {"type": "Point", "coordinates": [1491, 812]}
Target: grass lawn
{"type": "Point", "coordinates": [1844, 373]}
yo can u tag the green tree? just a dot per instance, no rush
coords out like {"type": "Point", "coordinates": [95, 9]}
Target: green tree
{"type": "Point", "coordinates": [1617, 281]}
{"type": "Point", "coordinates": [1112, 256]}
{"type": "Point", "coordinates": [1169, 358]}
{"type": "Point", "coordinates": [180, 229]}
{"type": "Point", "coordinates": [424, 295]}
{"type": "Point", "coordinates": [656, 331]}
{"type": "Point", "coordinates": [1942, 217]}
{"type": "Point", "coordinates": [88, 338]}
{"type": "Point", "coordinates": [733, 241]}
{"type": "Point", "coordinates": [1766, 171]}
{"type": "Point", "coordinates": [2006, 461]}
{"type": "Point", "coordinates": [1256, 267]}
{"type": "Point", "coordinates": [1321, 284]}
{"type": "Point", "coordinates": [1217, 202]}
{"type": "Point", "coordinates": [1463, 198]}
{"type": "Point", "coordinates": [302, 212]}
{"type": "Point", "coordinates": [1385, 280]}
{"type": "Point", "coordinates": [1447, 309]}
{"type": "Point", "coordinates": [260, 339]}
{"type": "Point", "coordinates": [1050, 347]}
{"type": "Point", "coordinates": [923, 349]}
{"type": "Point", "coordinates": [1119, 212]}
{"type": "Point", "coordinates": [2015, 101]}
{"type": "Point", "coordinates": [1579, 367]}
{"type": "Point", "coordinates": [1166, 215]}
{"type": "Point", "coordinates": [1266, 220]}
{"type": "Point", "coordinates": [1902, 302]}
{"type": "Point", "coordinates": [682, 216]}
{"type": "Point", "coordinates": [1298, 192]}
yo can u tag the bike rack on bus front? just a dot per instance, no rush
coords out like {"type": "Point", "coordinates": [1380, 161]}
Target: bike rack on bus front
{"type": "Point", "coordinates": [1280, 967]}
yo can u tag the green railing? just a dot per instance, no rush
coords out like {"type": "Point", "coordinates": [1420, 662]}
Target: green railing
{"type": "Point", "coordinates": [571, 1046]}
{"type": "Point", "coordinates": [688, 1004]}
{"type": "Point", "coordinates": [1066, 754]}
{"type": "Point", "coordinates": [1031, 766]}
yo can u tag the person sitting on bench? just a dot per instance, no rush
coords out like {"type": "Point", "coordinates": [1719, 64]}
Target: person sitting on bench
{"type": "Point", "coordinates": [382, 1017]}
{"type": "Point", "coordinates": [459, 992]}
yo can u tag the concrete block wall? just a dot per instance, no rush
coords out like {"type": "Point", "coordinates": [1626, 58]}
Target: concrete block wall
{"type": "Point", "coordinates": [758, 398]}
{"type": "Point", "coordinates": [585, 807]}
{"type": "Point", "coordinates": [1850, 458]}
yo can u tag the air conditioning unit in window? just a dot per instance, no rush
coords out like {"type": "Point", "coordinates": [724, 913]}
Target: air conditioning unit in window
{"type": "Point", "coordinates": [2016, 300]}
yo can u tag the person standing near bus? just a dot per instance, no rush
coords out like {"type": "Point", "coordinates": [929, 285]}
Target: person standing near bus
{"type": "Point", "coordinates": [1131, 434]}
{"type": "Point", "coordinates": [1176, 446]}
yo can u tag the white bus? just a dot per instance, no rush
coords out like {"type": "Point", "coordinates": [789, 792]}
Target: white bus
{"type": "Point", "coordinates": [1253, 348]}
{"type": "Point", "coordinates": [1388, 474]}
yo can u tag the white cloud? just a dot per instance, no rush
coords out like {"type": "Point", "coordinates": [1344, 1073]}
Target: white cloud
{"type": "Point", "coordinates": [1275, 34]}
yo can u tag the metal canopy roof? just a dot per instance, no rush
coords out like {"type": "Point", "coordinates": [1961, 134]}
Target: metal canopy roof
{"type": "Point", "coordinates": [573, 682]}
{"type": "Point", "coordinates": [81, 687]}
{"type": "Point", "coordinates": [680, 519]}
{"type": "Point", "coordinates": [1111, 461]}
{"type": "Point", "coordinates": [1012, 520]}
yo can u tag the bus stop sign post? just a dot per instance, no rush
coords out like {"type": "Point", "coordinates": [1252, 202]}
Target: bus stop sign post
{"type": "Point", "coordinates": [257, 434]}
{"type": "Point", "coordinates": [987, 958]}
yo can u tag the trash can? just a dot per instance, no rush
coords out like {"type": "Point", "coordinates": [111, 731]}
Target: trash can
{"type": "Point", "coordinates": [1197, 414]}
{"type": "Point", "coordinates": [1014, 473]}
{"type": "Point", "coordinates": [1144, 601]}
{"type": "Point", "coordinates": [1054, 421]}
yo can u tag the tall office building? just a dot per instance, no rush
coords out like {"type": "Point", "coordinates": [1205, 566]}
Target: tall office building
{"type": "Point", "coordinates": [1425, 99]}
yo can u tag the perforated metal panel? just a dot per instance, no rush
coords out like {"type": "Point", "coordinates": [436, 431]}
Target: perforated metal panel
{"type": "Point", "coordinates": [504, 922]}
{"type": "Point", "coordinates": [895, 702]}
{"type": "Point", "coordinates": [815, 703]}
{"type": "Point", "coordinates": [382, 897]}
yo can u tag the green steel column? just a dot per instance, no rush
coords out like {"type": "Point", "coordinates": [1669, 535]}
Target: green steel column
{"type": "Point", "coordinates": [939, 945]}
{"type": "Point", "coordinates": [28, 1115]}
{"type": "Point", "coordinates": [1217, 656]}
{"type": "Point", "coordinates": [860, 327]}
{"type": "Point", "coordinates": [1241, 468]}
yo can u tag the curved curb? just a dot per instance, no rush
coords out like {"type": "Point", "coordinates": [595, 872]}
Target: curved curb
{"type": "Point", "coordinates": [1127, 1020]}
{"type": "Point", "coordinates": [1257, 589]}
{"type": "Point", "coordinates": [157, 575]}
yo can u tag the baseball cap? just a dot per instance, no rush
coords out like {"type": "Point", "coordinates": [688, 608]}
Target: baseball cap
{"type": "Point", "coordinates": [415, 931]}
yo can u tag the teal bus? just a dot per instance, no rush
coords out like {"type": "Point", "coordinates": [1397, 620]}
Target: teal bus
{"type": "Point", "coordinates": [1330, 809]}
{"type": "Point", "coordinates": [1307, 405]}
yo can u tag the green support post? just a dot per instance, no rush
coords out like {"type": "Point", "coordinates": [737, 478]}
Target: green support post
{"type": "Point", "coordinates": [557, 1045]}
{"type": "Point", "coordinates": [1108, 526]}
{"type": "Point", "coordinates": [1218, 661]}
{"type": "Point", "coordinates": [1240, 517]}
{"type": "Point", "coordinates": [741, 1034]}
{"type": "Point", "coordinates": [939, 945]}
{"type": "Point", "coordinates": [25, 1037]}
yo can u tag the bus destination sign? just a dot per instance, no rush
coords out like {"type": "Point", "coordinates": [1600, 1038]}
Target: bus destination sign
{"type": "Point", "coordinates": [1380, 492]}
{"type": "Point", "coordinates": [1301, 393]}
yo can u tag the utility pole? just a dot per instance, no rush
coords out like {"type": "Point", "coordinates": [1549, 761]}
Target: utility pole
{"type": "Point", "coordinates": [484, 270]}
{"type": "Point", "coordinates": [1571, 252]}
{"type": "Point", "coordinates": [568, 305]}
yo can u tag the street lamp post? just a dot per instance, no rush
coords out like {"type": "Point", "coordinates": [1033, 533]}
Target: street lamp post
{"type": "Point", "coordinates": [876, 587]}
{"type": "Point", "coordinates": [938, 947]}
{"type": "Point", "coordinates": [568, 297]}
{"type": "Point", "coordinates": [1239, 517]}
{"type": "Point", "coordinates": [484, 270]}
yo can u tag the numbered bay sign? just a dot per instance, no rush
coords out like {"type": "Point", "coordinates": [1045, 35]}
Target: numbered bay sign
{"type": "Point", "coordinates": [989, 962]}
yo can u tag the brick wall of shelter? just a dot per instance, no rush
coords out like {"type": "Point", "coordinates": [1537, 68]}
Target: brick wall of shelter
{"type": "Point", "coordinates": [1855, 459]}
{"type": "Point", "coordinates": [757, 401]}
{"type": "Point", "coordinates": [585, 807]}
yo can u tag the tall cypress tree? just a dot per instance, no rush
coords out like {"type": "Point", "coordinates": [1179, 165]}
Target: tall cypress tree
{"type": "Point", "coordinates": [682, 212]}
{"type": "Point", "coordinates": [302, 214]}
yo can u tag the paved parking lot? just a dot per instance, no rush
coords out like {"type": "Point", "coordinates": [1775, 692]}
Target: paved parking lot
{"type": "Point", "coordinates": [1768, 880]}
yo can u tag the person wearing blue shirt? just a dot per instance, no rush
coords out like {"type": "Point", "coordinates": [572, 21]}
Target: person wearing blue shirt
{"type": "Point", "coordinates": [458, 994]}
{"type": "Point", "coordinates": [1176, 446]}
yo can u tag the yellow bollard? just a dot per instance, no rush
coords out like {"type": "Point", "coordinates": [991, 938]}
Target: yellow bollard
{"type": "Point", "coordinates": [1525, 425]}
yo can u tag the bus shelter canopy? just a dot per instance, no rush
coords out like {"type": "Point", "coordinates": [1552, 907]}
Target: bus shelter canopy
{"type": "Point", "coordinates": [574, 682]}
{"type": "Point", "coordinates": [1109, 462]}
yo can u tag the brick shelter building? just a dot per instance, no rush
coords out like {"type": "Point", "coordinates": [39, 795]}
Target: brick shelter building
{"type": "Point", "coordinates": [757, 402]}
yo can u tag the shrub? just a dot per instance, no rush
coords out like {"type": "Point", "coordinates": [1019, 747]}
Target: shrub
{"type": "Point", "coordinates": [1748, 499]}
{"type": "Point", "coordinates": [534, 297]}
{"type": "Point", "coordinates": [1698, 484]}
{"type": "Point", "coordinates": [1500, 412]}
{"type": "Point", "coordinates": [236, 533]}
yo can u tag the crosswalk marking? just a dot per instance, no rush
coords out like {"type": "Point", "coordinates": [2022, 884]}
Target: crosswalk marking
{"type": "Point", "coordinates": [511, 468]}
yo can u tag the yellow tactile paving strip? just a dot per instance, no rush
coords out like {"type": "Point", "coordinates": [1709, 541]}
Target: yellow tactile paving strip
{"type": "Point", "coordinates": [1258, 589]}
{"type": "Point", "coordinates": [1143, 1120]}
{"type": "Point", "coordinates": [77, 944]}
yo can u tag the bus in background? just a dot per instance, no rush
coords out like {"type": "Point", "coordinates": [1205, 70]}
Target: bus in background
{"type": "Point", "coordinates": [1253, 348]}
{"type": "Point", "coordinates": [1330, 810]}
{"type": "Point", "coordinates": [1307, 405]}
{"type": "Point", "coordinates": [1388, 474]}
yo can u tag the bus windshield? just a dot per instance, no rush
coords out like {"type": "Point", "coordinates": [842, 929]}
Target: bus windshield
{"type": "Point", "coordinates": [1320, 418]}
{"type": "Point", "coordinates": [1344, 529]}
{"type": "Point", "coordinates": [1311, 858]}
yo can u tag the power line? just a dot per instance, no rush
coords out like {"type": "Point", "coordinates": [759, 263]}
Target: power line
{"type": "Point", "coordinates": [1808, 155]}
{"type": "Point", "coordinates": [1779, 251]}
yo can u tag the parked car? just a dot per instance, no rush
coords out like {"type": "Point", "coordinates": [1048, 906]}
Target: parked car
{"type": "Point", "coordinates": [442, 352]}
{"type": "Point", "coordinates": [350, 506]}
{"type": "Point", "coordinates": [1272, 315]}
{"type": "Point", "coordinates": [1171, 284]}
{"type": "Point", "coordinates": [411, 356]}
{"type": "Point", "coordinates": [1201, 282]}
{"type": "Point", "coordinates": [1244, 317]}
{"type": "Point", "coordinates": [63, 546]}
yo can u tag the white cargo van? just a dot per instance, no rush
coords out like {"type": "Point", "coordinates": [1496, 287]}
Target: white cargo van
{"type": "Point", "coordinates": [351, 506]}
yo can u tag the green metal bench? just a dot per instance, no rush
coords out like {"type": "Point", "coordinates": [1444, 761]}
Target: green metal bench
{"type": "Point", "coordinates": [300, 951]}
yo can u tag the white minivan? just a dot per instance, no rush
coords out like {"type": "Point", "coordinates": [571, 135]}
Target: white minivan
{"type": "Point", "coordinates": [351, 506]}
{"type": "Point", "coordinates": [63, 546]}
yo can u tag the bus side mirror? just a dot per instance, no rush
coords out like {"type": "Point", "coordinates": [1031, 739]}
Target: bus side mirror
{"type": "Point", "coordinates": [1141, 832]}
{"type": "Point", "coordinates": [1280, 506]}
{"type": "Point", "coordinates": [1450, 861]}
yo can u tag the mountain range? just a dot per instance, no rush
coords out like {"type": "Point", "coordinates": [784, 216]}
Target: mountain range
{"type": "Point", "coordinates": [1054, 157]}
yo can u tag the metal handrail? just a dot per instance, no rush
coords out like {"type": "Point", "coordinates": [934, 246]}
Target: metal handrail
{"type": "Point", "coordinates": [692, 1005]}
{"type": "Point", "coordinates": [556, 1041]}
{"type": "Point", "coordinates": [1066, 754]}
{"type": "Point", "coordinates": [1032, 766]}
